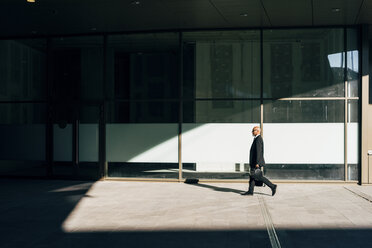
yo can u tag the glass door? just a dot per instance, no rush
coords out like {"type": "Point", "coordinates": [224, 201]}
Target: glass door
{"type": "Point", "coordinates": [88, 141]}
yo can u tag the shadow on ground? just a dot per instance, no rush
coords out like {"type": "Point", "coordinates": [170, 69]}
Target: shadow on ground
{"type": "Point", "coordinates": [32, 213]}
{"type": "Point", "coordinates": [229, 190]}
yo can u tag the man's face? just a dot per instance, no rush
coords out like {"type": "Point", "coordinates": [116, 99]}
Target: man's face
{"type": "Point", "coordinates": [254, 132]}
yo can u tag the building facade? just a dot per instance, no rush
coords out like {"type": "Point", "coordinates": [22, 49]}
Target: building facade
{"type": "Point", "coordinates": [174, 105]}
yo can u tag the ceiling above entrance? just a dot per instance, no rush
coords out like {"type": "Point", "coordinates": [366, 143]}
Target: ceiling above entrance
{"type": "Point", "coordinates": [54, 17]}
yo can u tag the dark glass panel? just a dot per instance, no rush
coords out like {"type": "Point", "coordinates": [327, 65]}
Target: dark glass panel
{"type": "Point", "coordinates": [304, 111]}
{"type": "Point", "coordinates": [23, 69]}
{"type": "Point", "coordinates": [143, 112]}
{"type": "Point", "coordinates": [77, 68]}
{"type": "Point", "coordinates": [353, 110]}
{"type": "Point", "coordinates": [143, 66]}
{"type": "Point", "coordinates": [221, 64]}
{"type": "Point", "coordinates": [303, 63]}
{"type": "Point", "coordinates": [22, 143]}
{"type": "Point", "coordinates": [221, 111]}
{"type": "Point", "coordinates": [353, 62]}
{"type": "Point", "coordinates": [143, 170]}
{"type": "Point", "coordinates": [305, 171]}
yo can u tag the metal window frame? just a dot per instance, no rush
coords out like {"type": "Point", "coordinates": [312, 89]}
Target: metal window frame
{"type": "Point", "coordinates": [103, 113]}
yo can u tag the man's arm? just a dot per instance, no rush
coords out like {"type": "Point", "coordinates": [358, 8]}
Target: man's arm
{"type": "Point", "coordinates": [259, 150]}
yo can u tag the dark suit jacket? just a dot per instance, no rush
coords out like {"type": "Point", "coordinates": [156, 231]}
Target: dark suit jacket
{"type": "Point", "coordinates": [256, 153]}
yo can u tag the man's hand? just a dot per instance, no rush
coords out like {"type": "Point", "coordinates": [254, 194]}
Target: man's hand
{"type": "Point", "coordinates": [257, 166]}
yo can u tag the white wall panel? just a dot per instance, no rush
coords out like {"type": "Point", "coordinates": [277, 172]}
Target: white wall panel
{"type": "Point", "coordinates": [352, 143]}
{"type": "Point", "coordinates": [88, 142]}
{"type": "Point", "coordinates": [216, 147]}
{"type": "Point", "coordinates": [304, 143]}
{"type": "Point", "coordinates": [142, 143]}
{"type": "Point", "coordinates": [62, 140]}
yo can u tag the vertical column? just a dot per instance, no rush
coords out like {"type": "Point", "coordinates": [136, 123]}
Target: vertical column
{"type": "Point", "coordinates": [102, 117]}
{"type": "Point", "coordinates": [75, 139]}
{"type": "Point", "coordinates": [49, 122]}
{"type": "Point", "coordinates": [345, 133]}
{"type": "Point", "coordinates": [345, 104]}
{"type": "Point", "coordinates": [180, 119]}
{"type": "Point", "coordinates": [261, 83]}
{"type": "Point", "coordinates": [364, 136]}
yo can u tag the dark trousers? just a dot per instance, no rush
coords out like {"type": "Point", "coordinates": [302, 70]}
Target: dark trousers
{"type": "Point", "coordinates": [257, 175]}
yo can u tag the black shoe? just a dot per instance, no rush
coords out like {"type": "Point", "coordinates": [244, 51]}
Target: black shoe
{"type": "Point", "coordinates": [247, 193]}
{"type": "Point", "coordinates": [273, 190]}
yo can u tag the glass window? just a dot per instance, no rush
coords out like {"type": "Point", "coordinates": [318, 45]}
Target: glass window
{"type": "Point", "coordinates": [352, 62]}
{"type": "Point", "coordinates": [221, 64]}
{"type": "Point", "coordinates": [78, 68]}
{"type": "Point", "coordinates": [23, 69]}
{"type": "Point", "coordinates": [143, 66]}
{"type": "Point", "coordinates": [303, 63]}
{"type": "Point", "coordinates": [353, 111]}
{"type": "Point", "coordinates": [142, 134]}
{"type": "Point", "coordinates": [148, 150]}
{"type": "Point", "coordinates": [22, 143]}
{"type": "Point", "coordinates": [221, 111]}
{"type": "Point", "coordinates": [89, 141]}
{"type": "Point", "coordinates": [143, 112]}
{"type": "Point", "coordinates": [304, 139]}
{"type": "Point", "coordinates": [304, 111]}
{"type": "Point", "coordinates": [306, 171]}
{"type": "Point", "coordinates": [353, 139]}
{"type": "Point", "coordinates": [22, 113]}
{"type": "Point", "coordinates": [63, 117]}
{"type": "Point", "coordinates": [304, 150]}
{"type": "Point", "coordinates": [88, 133]}
{"type": "Point", "coordinates": [216, 150]}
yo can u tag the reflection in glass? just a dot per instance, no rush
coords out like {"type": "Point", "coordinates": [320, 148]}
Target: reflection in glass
{"type": "Point", "coordinates": [143, 170]}
{"type": "Point", "coordinates": [234, 111]}
{"type": "Point", "coordinates": [78, 68]}
{"type": "Point", "coordinates": [221, 64]}
{"type": "Point", "coordinates": [143, 66]}
{"type": "Point", "coordinates": [22, 113]}
{"type": "Point", "coordinates": [305, 171]}
{"type": "Point", "coordinates": [353, 111]}
{"type": "Point", "coordinates": [353, 138]}
{"type": "Point", "coordinates": [143, 112]}
{"type": "Point", "coordinates": [22, 131]}
{"type": "Point", "coordinates": [303, 62]}
{"type": "Point", "coordinates": [302, 111]}
{"type": "Point", "coordinates": [142, 134]}
{"type": "Point", "coordinates": [353, 172]}
{"type": "Point", "coordinates": [352, 62]}
{"type": "Point", "coordinates": [23, 69]}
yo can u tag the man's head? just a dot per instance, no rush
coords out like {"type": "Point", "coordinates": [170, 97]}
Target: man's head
{"type": "Point", "coordinates": [256, 131]}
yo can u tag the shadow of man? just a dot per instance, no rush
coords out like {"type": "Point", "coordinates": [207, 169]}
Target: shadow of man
{"type": "Point", "coordinates": [222, 189]}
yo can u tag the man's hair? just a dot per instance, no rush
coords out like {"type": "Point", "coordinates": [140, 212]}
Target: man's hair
{"type": "Point", "coordinates": [257, 128]}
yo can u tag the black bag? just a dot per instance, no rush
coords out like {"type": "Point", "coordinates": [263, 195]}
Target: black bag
{"type": "Point", "coordinates": [259, 183]}
{"type": "Point", "coordinates": [191, 180]}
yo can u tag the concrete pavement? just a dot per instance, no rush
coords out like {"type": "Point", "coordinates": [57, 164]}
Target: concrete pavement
{"type": "Point", "coordinates": [42, 213]}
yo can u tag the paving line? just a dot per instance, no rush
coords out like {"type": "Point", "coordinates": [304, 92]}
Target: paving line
{"type": "Point", "coordinates": [274, 240]}
{"type": "Point", "coordinates": [360, 194]}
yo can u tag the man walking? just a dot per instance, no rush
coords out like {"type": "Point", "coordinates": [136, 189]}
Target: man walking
{"type": "Point", "coordinates": [256, 161]}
